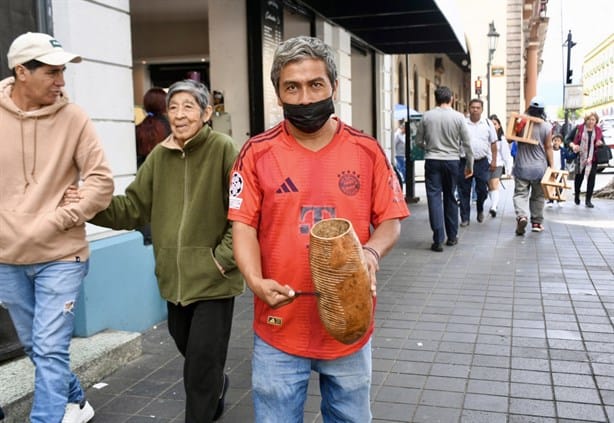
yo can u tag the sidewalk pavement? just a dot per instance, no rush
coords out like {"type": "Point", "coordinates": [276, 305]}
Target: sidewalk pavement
{"type": "Point", "coordinates": [499, 328]}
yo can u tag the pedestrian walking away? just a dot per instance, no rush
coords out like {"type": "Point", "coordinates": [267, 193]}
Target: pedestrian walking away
{"type": "Point", "coordinates": [529, 168]}
{"type": "Point", "coordinates": [503, 163]}
{"type": "Point", "coordinates": [443, 135]}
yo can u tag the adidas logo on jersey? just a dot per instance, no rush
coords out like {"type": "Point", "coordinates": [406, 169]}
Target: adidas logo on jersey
{"type": "Point", "coordinates": [287, 186]}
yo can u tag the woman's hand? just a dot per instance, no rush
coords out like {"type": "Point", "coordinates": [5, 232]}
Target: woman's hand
{"type": "Point", "coordinates": [575, 148]}
{"type": "Point", "coordinates": [71, 196]}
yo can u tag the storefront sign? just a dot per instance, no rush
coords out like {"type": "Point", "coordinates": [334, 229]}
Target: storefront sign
{"type": "Point", "coordinates": [497, 71]}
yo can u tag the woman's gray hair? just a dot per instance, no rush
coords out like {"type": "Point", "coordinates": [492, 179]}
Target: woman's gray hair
{"type": "Point", "coordinates": [199, 91]}
{"type": "Point", "coordinates": [298, 49]}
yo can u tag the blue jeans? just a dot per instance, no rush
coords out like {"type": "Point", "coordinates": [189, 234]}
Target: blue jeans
{"type": "Point", "coordinates": [481, 175]}
{"type": "Point", "coordinates": [401, 165]}
{"type": "Point", "coordinates": [40, 299]}
{"type": "Point", "coordinates": [440, 177]}
{"type": "Point", "coordinates": [280, 380]}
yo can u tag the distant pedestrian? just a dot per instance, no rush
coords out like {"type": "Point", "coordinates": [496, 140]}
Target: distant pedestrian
{"type": "Point", "coordinates": [442, 133]}
{"type": "Point", "coordinates": [155, 127]}
{"type": "Point", "coordinates": [484, 149]}
{"type": "Point", "coordinates": [529, 168]}
{"type": "Point", "coordinates": [503, 163]}
{"type": "Point", "coordinates": [399, 148]}
{"type": "Point", "coordinates": [587, 137]}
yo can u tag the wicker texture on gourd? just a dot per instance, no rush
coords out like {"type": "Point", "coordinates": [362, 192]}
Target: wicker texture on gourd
{"type": "Point", "coordinates": [340, 275]}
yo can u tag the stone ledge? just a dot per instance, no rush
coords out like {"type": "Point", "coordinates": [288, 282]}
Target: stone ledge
{"type": "Point", "coordinates": [92, 359]}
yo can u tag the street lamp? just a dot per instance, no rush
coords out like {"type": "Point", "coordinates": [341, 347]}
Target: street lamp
{"type": "Point", "coordinates": [493, 38]}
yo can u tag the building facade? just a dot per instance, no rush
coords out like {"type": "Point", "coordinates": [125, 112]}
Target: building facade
{"type": "Point", "coordinates": [598, 79]}
{"type": "Point", "coordinates": [130, 45]}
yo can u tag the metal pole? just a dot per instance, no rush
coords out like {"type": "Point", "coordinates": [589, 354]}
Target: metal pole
{"type": "Point", "coordinates": [488, 84]}
{"type": "Point", "coordinates": [410, 174]}
{"type": "Point", "coordinates": [568, 80]}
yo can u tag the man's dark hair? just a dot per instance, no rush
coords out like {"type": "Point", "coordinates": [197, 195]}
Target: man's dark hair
{"type": "Point", "coordinates": [476, 100]}
{"type": "Point", "coordinates": [29, 65]}
{"type": "Point", "coordinates": [443, 95]}
{"type": "Point", "coordinates": [536, 112]}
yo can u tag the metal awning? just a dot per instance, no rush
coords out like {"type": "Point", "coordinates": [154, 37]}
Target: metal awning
{"type": "Point", "coordinates": [400, 26]}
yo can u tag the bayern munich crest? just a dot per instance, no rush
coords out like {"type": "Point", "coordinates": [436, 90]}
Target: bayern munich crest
{"type": "Point", "coordinates": [349, 182]}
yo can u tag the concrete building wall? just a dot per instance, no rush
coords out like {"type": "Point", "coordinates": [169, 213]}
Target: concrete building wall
{"type": "Point", "coordinates": [102, 83]}
{"type": "Point", "coordinates": [228, 49]}
{"type": "Point", "coordinates": [121, 272]}
{"type": "Point", "coordinates": [476, 16]}
{"type": "Point", "coordinates": [514, 58]}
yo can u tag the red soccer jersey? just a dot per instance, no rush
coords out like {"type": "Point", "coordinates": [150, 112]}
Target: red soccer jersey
{"type": "Point", "coordinates": [282, 189]}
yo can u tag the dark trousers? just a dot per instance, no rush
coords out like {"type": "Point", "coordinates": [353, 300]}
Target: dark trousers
{"type": "Point", "coordinates": [590, 183]}
{"type": "Point", "coordinates": [201, 332]}
{"type": "Point", "coordinates": [481, 174]}
{"type": "Point", "coordinates": [440, 178]}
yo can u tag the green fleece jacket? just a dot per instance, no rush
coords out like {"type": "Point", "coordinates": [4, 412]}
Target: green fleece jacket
{"type": "Point", "coordinates": [183, 192]}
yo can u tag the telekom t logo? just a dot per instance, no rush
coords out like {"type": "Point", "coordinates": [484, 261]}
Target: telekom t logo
{"type": "Point", "coordinates": [310, 215]}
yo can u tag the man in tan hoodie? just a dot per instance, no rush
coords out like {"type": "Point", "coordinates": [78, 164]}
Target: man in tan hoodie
{"type": "Point", "coordinates": [46, 145]}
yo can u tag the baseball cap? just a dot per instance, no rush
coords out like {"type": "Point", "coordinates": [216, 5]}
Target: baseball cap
{"type": "Point", "coordinates": [39, 46]}
{"type": "Point", "coordinates": [537, 102]}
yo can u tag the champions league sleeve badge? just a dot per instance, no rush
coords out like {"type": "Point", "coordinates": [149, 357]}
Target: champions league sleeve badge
{"type": "Point", "coordinates": [236, 188]}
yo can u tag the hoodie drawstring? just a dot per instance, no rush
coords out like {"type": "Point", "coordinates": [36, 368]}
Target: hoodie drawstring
{"type": "Point", "coordinates": [23, 154]}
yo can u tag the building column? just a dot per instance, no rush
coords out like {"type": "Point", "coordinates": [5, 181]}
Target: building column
{"type": "Point", "coordinates": [530, 88]}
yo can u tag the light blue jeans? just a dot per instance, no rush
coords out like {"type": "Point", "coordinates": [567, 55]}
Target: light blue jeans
{"type": "Point", "coordinates": [40, 299]}
{"type": "Point", "coordinates": [280, 385]}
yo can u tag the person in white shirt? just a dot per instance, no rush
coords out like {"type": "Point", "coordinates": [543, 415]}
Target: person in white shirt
{"type": "Point", "coordinates": [504, 162]}
{"type": "Point", "coordinates": [484, 149]}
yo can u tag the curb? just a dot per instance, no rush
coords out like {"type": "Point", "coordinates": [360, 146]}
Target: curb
{"type": "Point", "coordinates": [91, 358]}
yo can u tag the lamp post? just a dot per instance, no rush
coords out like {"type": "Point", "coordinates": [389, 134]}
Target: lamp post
{"type": "Point", "coordinates": [493, 38]}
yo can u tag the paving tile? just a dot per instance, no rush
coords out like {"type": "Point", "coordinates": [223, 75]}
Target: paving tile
{"type": "Point", "coordinates": [486, 403]}
{"type": "Point", "coordinates": [405, 380]}
{"type": "Point", "coordinates": [438, 398]}
{"type": "Point", "coordinates": [529, 376]}
{"type": "Point", "coordinates": [398, 395]}
{"type": "Point", "coordinates": [489, 373]}
{"type": "Point", "coordinates": [475, 416]}
{"type": "Point", "coordinates": [429, 414]}
{"type": "Point", "coordinates": [532, 407]}
{"type": "Point", "coordinates": [441, 383]}
{"type": "Point", "coordinates": [531, 391]}
{"type": "Point", "coordinates": [572, 379]}
{"type": "Point", "coordinates": [575, 394]}
{"type": "Point", "coordinates": [574, 410]}
{"type": "Point", "coordinates": [453, 343]}
{"type": "Point", "coordinates": [396, 412]}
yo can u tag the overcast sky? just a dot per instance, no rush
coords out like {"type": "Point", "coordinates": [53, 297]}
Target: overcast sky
{"type": "Point", "coordinates": [590, 22]}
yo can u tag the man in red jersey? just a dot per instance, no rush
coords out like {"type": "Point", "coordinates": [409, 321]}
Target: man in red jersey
{"type": "Point", "coordinates": [309, 167]}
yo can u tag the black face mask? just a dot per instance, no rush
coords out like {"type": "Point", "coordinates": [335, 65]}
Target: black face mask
{"type": "Point", "coordinates": [311, 117]}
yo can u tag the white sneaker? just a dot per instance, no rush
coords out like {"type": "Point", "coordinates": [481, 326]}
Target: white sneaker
{"type": "Point", "coordinates": [78, 413]}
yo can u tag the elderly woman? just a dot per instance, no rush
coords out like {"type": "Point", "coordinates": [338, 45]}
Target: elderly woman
{"type": "Point", "coordinates": [182, 189]}
{"type": "Point", "coordinates": [587, 138]}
